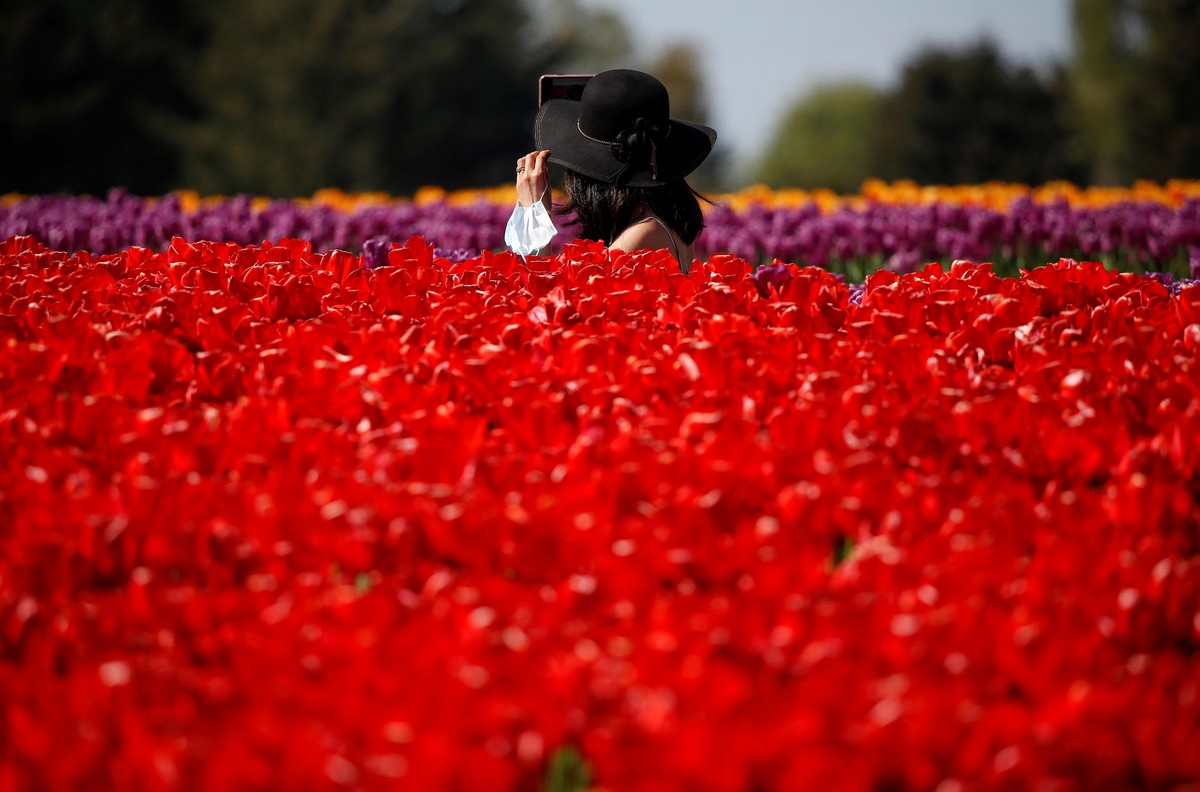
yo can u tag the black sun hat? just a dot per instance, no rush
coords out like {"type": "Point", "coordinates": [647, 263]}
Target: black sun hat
{"type": "Point", "coordinates": [620, 131]}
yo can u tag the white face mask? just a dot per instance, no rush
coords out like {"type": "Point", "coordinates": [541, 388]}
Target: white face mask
{"type": "Point", "coordinates": [529, 229]}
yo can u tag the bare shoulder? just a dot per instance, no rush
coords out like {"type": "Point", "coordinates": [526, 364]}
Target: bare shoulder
{"type": "Point", "coordinates": [643, 235]}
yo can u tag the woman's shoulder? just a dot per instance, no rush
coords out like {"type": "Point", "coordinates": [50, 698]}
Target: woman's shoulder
{"type": "Point", "coordinates": [649, 233]}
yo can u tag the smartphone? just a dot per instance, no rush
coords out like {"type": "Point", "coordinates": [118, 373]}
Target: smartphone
{"type": "Point", "coordinates": [561, 86]}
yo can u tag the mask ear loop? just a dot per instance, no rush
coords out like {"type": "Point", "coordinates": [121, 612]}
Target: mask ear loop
{"type": "Point", "coordinates": [525, 260]}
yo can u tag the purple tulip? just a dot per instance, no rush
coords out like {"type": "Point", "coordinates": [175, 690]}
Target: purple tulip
{"type": "Point", "coordinates": [858, 239]}
{"type": "Point", "coordinates": [374, 252]}
{"type": "Point", "coordinates": [769, 275]}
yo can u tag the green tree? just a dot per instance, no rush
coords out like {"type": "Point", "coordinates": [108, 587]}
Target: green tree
{"type": "Point", "coordinates": [966, 115]}
{"type": "Point", "coordinates": [279, 97]}
{"type": "Point", "coordinates": [827, 139]}
{"type": "Point", "coordinates": [362, 94]}
{"type": "Point", "coordinates": [583, 40]}
{"type": "Point", "coordinates": [80, 85]}
{"type": "Point", "coordinates": [289, 93]}
{"type": "Point", "coordinates": [463, 96]}
{"type": "Point", "coordinates": [1098, 87]}
{"type": "Point", "coordinates": [1163, 111]}
{"type": "Point", "coordinates": [1135, 96]}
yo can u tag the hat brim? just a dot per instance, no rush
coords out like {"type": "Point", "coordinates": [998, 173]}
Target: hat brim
{"type": "Point", "coordinates": [557, 129]}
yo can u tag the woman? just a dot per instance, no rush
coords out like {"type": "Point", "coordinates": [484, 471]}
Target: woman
{"type": "Point", "coordinates": [625, 161]}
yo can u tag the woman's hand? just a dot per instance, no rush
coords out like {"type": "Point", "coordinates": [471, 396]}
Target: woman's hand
{"type": "Point", "coordinates": [532, 179]}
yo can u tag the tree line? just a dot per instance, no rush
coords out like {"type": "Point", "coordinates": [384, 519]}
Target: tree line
{"type": "Point", "coordinates": [281, 97]}
{"type": "Point", "coordinates": [1125, 106]}
{"type": "Point", "coordinates": [284, 97]}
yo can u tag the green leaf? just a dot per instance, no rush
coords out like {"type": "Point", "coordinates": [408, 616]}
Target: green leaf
{"type": "Point", "coordinates": [842, 547]}
{"type": "Point", "coordinates": [567, 771]}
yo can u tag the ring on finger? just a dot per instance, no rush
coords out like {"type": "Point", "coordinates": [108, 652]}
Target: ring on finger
{"type": "Point", "coordinates": [520, 168]}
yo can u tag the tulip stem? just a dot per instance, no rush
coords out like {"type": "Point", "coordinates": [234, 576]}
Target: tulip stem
{"type": "Point", "coordinates": [567, 771]}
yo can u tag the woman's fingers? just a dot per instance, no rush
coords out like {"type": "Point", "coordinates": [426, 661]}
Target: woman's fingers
{"type": "Point", "coordinates": [537, 163]}
{"type": "Point", "coordinates": [531, 177]}
{"type": "Point", "coordinates": [539, 180]}
{"type": "Point", "coordinates": [525, 179]}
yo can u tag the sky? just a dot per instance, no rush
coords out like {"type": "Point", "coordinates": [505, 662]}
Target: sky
{"type": "Point", "coordinates": [758, 57]}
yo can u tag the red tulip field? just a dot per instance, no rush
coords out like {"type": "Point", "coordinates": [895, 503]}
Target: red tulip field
{"type": "Point", "coordinates": [274, 519]}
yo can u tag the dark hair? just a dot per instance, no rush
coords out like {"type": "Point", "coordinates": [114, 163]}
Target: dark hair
{"type": "Point", "coordinates": [603, 210]}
